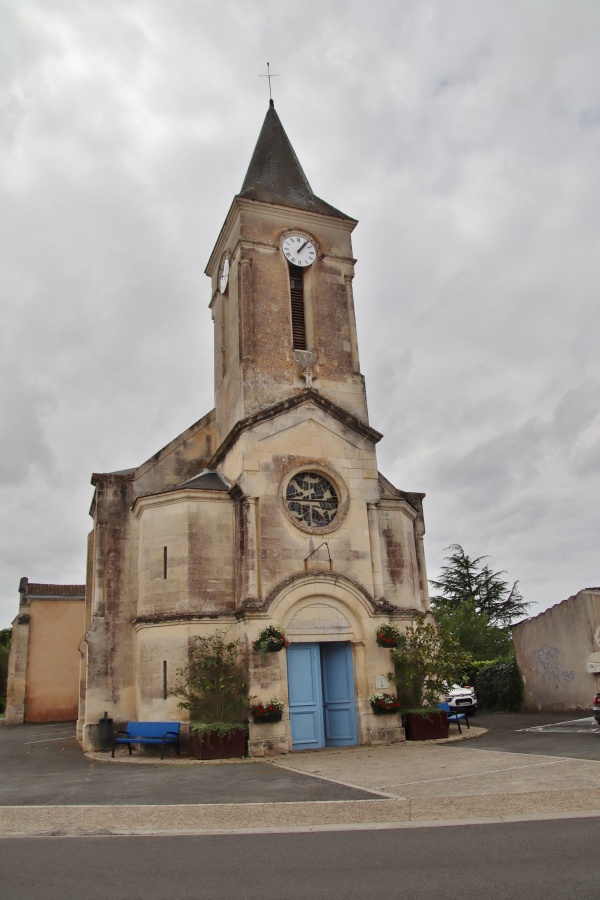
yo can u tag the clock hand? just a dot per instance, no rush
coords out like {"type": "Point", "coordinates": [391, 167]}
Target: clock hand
{"type": "Point", "coordinates": [300, 249]}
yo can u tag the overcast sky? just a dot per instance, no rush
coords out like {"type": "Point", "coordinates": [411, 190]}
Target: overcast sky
{"type": "Point", "coordinates": [464, 136]}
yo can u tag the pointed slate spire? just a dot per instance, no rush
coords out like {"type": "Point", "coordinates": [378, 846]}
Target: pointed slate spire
{"type": "Point", "coordinates": [275, 174]}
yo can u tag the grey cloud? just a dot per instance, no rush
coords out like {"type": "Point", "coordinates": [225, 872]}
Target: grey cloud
{"type": "Point", "coordinates": [464, 139]}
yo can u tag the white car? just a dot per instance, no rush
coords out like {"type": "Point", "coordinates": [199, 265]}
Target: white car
{"type": "Point", "coordinates": [462, 699]}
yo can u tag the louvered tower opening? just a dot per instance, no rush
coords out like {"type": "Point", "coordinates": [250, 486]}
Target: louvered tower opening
{"type": "Point", "coordinates": [297, 301]}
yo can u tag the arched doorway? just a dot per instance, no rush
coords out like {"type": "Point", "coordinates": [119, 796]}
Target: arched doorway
{"type": "Point", "coordinates": [321, 695]}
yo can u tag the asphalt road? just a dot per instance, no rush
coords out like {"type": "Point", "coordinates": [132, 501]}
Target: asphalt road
{"type": "Point", "coordinates": [42, 765]}
{"type": "Point", "coordinates": [545, 860]}
{"type": "Point", "coordinates": [509, 732]}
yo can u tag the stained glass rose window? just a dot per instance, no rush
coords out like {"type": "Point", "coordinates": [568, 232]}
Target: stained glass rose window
{"type": "Point", "coordinates": [311, 500]}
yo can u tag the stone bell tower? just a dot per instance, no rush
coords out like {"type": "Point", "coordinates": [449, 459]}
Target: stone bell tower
{"type": "Point", "coordinates": [282, 303]}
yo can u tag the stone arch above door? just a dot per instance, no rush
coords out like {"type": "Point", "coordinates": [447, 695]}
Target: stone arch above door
{"type": "Point", "coordinates": [318, 606]}
{"type": "Point", "coordinates": [319, 617]}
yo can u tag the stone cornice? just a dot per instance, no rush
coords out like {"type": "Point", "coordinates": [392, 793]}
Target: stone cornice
{"type": "Point", "coordinates": [306, 396]}
{"type": "Point", "coordinates": [394, 503]}
{"type": "Point", "coordinates": [177, 495]}
{"type": "Point", "coordinates": [293, 215]}
{"type": "Point", "coordinates": [155, 619]}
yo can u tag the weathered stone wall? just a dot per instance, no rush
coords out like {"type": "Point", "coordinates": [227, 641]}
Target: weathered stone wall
{"type": "Point", "coordinates": [17, 670]}
{"type": "Point", "coordinates": [196, 528]}
{"type": "Point", "coordinates": [255, 362]}
{"type": "Point", "coordinates": [554, 651]}
{"type": "Point", "coordinates": [113, 590]}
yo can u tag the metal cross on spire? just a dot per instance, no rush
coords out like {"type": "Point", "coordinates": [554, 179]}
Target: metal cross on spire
{"type": "Point", "coordinates": [269, 76]}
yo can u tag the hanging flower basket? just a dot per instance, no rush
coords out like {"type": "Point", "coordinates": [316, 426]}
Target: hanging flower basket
{"type": "Point", "coordinates": [387, 636]}
{"type": "Point", "coordinates": [271, 711]}
{"type": "Point", "coordinates": [384, 704]}
{"type": "Point", "coordinates": [271, 639]}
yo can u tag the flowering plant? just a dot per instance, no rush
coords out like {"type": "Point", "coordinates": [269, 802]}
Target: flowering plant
{"type": "Point", "coordinates": [271, 639]}
{"type": "Point", "coordinates": [271, 711]}
{"type": "Point", "coordinates": [384, 703]}
{"type": "Point", "coordinates": [387, 635]}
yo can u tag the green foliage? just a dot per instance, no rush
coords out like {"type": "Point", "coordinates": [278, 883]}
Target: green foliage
{"type": "Point", "coordinates": [499, 687]}
{"type": "Point", "coordinates": [475, 666]}
{"type": "Point", "coordinates": [5, 636]}
{"type": "Point", "coordinates": [426, 661]}
{"type": "Point", "coordinates": [472, 630]}
{"type": "Point", "coordinates": [221, 728]}
{"type": "Point", "coordinates": [213, 687]}
{"type": "Point", "coordinates": [465, 579]}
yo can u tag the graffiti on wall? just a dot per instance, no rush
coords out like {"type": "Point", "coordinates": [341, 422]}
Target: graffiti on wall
{"type": "Point", "coordinates": [551, 666]}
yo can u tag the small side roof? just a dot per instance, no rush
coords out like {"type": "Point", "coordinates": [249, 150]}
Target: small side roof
{"type": "Point", "coordinates": [32, 589]}
{"type": "Point", "coordinates": [207, 480]}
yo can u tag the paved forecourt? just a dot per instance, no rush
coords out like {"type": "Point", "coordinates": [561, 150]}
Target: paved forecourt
{"type": "Point", "coordinates": [404, 784]}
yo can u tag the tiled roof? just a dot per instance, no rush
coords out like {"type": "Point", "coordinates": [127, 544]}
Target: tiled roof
{"type": "Point", "coordinates": [51, 590]}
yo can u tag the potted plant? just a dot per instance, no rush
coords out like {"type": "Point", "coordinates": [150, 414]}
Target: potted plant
{"type": "Point", "coordinates": [213, 688]}
{"type": "Point", "coordinates": [426, 660]}
{"type": "Point", "coordinates": [387, 635]}
{"type": "Point", "coordinates": [271, 711]}
{"type": "Point", "coordinates": [383, 704]}
{"type": "Point", "coordinates": [271, 639]}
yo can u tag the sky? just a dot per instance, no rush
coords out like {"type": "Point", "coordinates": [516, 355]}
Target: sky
{"type": "Point", "coordinates": [464, 137]}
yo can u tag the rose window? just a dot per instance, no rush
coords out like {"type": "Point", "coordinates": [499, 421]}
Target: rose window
{"type": "Point", "coordinates": [311, 500]}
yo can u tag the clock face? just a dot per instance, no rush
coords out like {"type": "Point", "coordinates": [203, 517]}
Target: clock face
{"type": "Point", "coordinates": [224, 275]}
{"type": "Point", "coordinates": [299, 250]}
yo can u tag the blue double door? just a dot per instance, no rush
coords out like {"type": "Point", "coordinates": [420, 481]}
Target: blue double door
{"type": "Point", "coordinates": [321, 695]}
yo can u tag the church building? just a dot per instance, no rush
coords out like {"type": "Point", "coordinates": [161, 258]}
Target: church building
{"type": "Point", "coordinates": [268, 510]}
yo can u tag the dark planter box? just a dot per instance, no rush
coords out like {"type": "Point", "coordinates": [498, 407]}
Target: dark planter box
{"type": "Point", "coordinates": [383, 711]}
{"type": "Point", "coordinates": [216, 746]}
{"type": "Point", "coordinates": [268, 717]}
{"type": "Point", "coordinates": [426, 726]}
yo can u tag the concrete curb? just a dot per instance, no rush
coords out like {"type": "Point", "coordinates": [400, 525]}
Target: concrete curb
{"type": "Point", "coordinates": [234, 817]}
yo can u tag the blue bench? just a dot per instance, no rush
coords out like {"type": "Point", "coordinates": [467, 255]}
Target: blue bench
{"type": "Point", "coordinates": [453, 717]}
{"type": "Point", "coordinates": [163, 733]}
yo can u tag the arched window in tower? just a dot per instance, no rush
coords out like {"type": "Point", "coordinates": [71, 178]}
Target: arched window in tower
{"type": "Point", "coordinates": [297, 304]}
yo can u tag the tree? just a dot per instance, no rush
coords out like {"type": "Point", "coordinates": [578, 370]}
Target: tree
{"type": "Point", "coordinates": [465, 579]}
{"type": "Point", "coordinates": [426, 662]}
{"type": "Point", "coordinates": [472, 630]}
{"type": "Point", "coordinates": [213, 687]}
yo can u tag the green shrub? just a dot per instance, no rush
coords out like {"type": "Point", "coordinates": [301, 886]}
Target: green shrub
{"type": "Point", "coordinates": [426, 661]}
{"type": "Point", "coordinates": [474, 668]}
{"type": "Point", "coordinates": [499, 687]}
{"type": "Point", "coordinates": [213, 686]}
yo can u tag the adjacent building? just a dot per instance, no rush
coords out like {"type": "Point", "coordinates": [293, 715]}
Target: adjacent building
{"type": "Point", "coordinates": [45, 653]}
{"type": "Point", "coordinates": [558, 653]}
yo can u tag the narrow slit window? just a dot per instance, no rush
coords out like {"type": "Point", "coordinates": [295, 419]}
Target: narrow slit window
{"type": "Point", "coordinates": [165, 692]}
{"type": "Point", "coordinates": [164, 562]}
{"type": "Point", "coordinates": [297, 301]}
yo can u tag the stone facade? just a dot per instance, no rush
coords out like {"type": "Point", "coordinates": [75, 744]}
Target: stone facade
{"type": "Point", "coordinates": [204, 534]}
{"type": "Point", "coordinates": [558, 653]}
{"type": "Point", "coordinates": [44, 659]}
